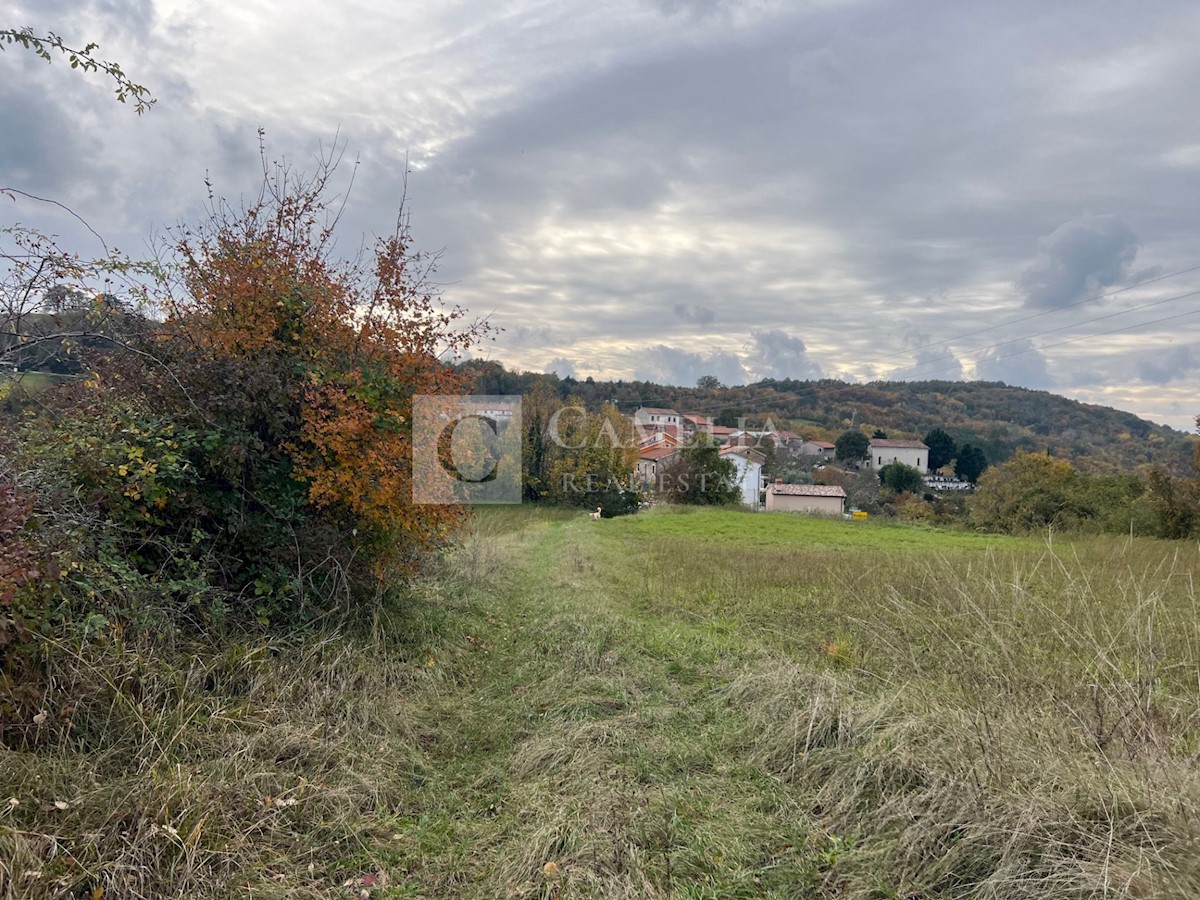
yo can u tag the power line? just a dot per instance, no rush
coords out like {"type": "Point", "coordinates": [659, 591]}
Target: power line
{"type": "Point", "coordinates": [1016, 340]}
{"type": "Point", "coordinates": [1047, 312]}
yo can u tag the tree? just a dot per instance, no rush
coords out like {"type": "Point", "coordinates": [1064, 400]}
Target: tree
{"type": "Point", "coordinates": [879, 434]}
{"type": "Point", "coordinates": [970, 463]}
{"type": "Point", "coordinates": [900, 478]}
{"type": "Point", "coordinates": [538, 407]}
{"type": "Point", "coordinates": [771, 455]}
{"type": "Point", "coordinates": [942, 448]}
{"type": "Point", "coordinates": [1029, 491]}
{"type": "Point", "coordinates": [727, 419]}
{"type": "Point", "coordinates": [1196, 452]}
{"type": "Point", "coordinates": [1174, 505]}
{"type": "Point", "coordinates": [590, 458]}
{"type": "Point", "coordinates": [79, 58]}
{"type": "Point", "coordinates": [709, 383]}
{"type": "Point", "coordinates": [851, 446]}
{"type": "Point", "coordinates": [700, 476]}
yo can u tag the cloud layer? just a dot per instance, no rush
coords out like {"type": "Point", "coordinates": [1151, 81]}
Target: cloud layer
{"type": "Point", "coordinates": [676, 188]}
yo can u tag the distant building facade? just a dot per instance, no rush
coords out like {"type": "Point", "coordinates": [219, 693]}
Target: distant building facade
{"type": "Point", "coordinates": [884, 451]}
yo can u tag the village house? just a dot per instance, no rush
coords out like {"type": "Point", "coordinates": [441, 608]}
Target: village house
{"type": "Point", "coordinates": [788, 441]}
{"type": "Point", "coordinates": [651, 463]}
{"type": "Point", "coordinates": [720, 434]}
{"type": "Point", "coordinates": [822, 450]}
{"type": "Point", "coordinates": [822, 499]}
{"type": "Point", "coordinates": [669, 436]}
{"type": "Point", "coordinates": [693, 423]}
{"type": "Point", "coordinates": [749, 463]}
{"type": "Point", "coordinates": [653, 425]}
{"type": "Point", "coordinates": [884, 451]}
{"type": "Point", "coordinates": [654, 417]}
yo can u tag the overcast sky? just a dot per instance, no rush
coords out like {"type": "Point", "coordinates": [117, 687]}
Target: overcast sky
{"type": "Point", "coordinates": [666, 189]}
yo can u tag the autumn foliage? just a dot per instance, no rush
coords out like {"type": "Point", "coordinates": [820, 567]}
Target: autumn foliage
{"type": "Point", "coordinates": [245, 451]}
{"type": "Point", "coordinates": [332, 353]}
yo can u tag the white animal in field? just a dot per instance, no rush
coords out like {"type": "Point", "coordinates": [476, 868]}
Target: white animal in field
{"type": "Point", "coordinates": [596, 515]}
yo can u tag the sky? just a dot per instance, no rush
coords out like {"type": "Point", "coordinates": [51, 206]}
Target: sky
{"type": "Point", "coordinates": [666, 189]}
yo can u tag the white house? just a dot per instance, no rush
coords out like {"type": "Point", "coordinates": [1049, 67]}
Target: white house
{"type": "Point", "coordinates": [884, 451]}
{"type": "Point", "coordinates": [656, 418]}
{"type": "Point", "coordinates": [749, 472]}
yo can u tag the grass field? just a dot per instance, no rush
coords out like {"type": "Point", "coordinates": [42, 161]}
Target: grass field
{"type": "Point", "coordinates": [28, 383]}
{"type": "Point", "coordinates": [695, 704]}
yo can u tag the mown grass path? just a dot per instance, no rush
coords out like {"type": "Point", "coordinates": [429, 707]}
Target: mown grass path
{"type": "Point", "coordinates": [586, 748]}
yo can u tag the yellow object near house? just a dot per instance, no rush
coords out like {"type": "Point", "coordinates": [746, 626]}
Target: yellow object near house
{"type": "Point", "coordinates": [860, 515]}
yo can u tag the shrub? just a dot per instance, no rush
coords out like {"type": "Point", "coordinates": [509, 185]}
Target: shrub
{"type": "Point", "coordinates": [247, 450]}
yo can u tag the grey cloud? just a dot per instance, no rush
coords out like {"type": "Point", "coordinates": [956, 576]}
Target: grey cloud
{"type": "Point", "coordinates": [562, 367]}
{"type": "Point", "coordinates": [531, 336]}
{"type": "Point", "coordinates": [776, 354]}
{"type": "Point", "coordinates": [695, 314]}
{"type": "Point", "coordinates": [1017, 363]}
{"type": "Point", "coordinates": [1164, 367]}
{"type": "Point", "coordinates": [41, 144]}
{"type": "Point", "coordinates": [929, 362]}
{"type": "Point", "coordinates": [1078, 260]}
{"type": "Point", "coordinates": [1085, 378]}
{"type": "Point", "coordinates": [697, 8]}
{"type": "Point", "coordinates": [129, 17]}
{"type": "Point", "coordinates": [669, 365]}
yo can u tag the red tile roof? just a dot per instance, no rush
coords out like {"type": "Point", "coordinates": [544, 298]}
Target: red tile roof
{"type": "Point", "coordinates": [748, 452]}
{"type": "Point", "coordinates": [655, 453]}
{"type": "Point", "coordinates": [824, 445]}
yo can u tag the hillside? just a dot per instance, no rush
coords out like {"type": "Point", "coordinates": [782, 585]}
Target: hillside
{"type": "Point", "coordinates": [997, 417]}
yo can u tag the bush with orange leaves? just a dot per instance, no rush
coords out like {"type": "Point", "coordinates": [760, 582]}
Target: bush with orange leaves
{"type": "Point", "coordinates": [245, 451]}
{"type": "Point", "coordinates": [305, 366]}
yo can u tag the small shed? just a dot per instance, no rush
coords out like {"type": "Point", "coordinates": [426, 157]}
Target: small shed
{"type": "Point", "coordinates": [823, 499]}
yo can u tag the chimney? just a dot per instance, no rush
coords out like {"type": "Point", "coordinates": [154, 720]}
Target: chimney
{"type": "Point", "coordinates": [778, 482]}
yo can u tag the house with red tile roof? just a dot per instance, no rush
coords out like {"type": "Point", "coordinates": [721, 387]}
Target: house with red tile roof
{"type": "Point", "coordinates": [651, 462]}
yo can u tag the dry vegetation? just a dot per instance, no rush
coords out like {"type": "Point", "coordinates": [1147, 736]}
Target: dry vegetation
{"type": "Point", "coordinates": [635, 708]}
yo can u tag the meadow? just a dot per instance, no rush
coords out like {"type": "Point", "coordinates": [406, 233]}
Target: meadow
{"type": "Point", "coordinates": [682, 703]}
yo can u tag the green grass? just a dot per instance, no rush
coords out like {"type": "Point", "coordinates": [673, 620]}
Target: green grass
{"type": "Point", "coordinates": [703, 704]}
{"type": "Point", "coordinates": [30, 382]}
{"type": "Point", "coordinates": [779, 530]}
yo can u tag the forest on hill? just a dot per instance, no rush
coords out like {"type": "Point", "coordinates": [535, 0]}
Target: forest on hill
{"type": "Point", "coordinates": [999, 418]}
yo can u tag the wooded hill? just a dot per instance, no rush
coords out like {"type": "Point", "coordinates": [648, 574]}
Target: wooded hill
{"type": "Point", "coordinates": [997, 417]}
